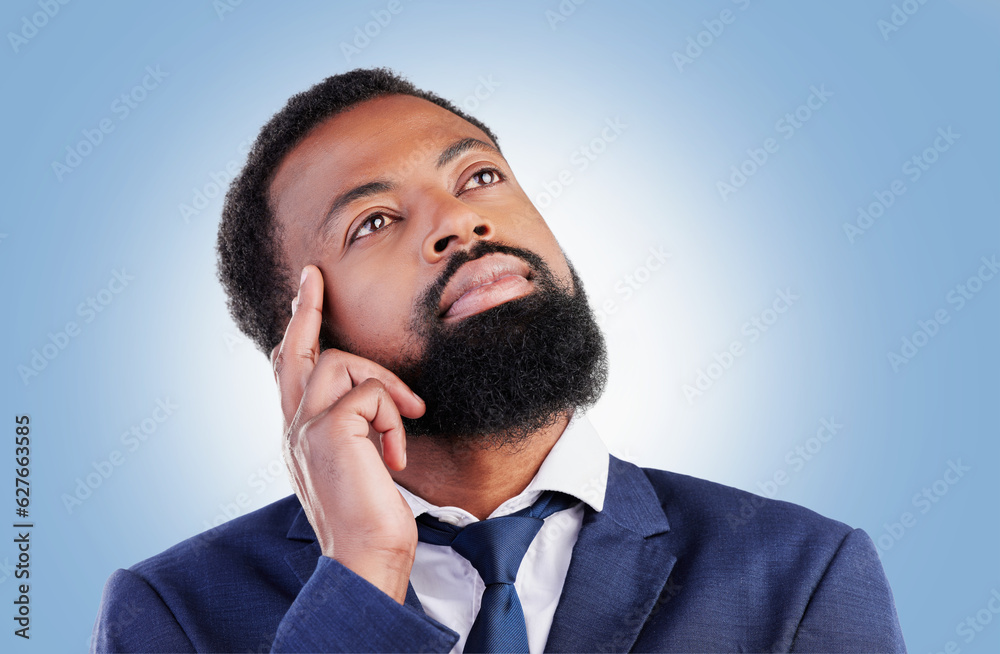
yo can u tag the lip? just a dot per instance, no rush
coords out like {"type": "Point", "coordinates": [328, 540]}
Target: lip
{"type": "Point", "coordinates": [484, 283]}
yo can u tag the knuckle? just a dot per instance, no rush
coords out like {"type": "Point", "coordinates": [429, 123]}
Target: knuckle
{"type": "Point", "coordinates": [302, 438]}
{"type": "Point", "coordinates": [330, 353]}
{"type": "Point", "coordinates": [310, 353]}
{"type": "Point", "coordinates": [282, 359]}
{"type": "Point", "coordinates": [293, 436]}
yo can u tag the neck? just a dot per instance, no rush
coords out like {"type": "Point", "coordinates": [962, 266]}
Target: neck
{"type": "Point", "coordinates": [475, 479]}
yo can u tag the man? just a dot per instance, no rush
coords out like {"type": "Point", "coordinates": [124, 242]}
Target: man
{"type": "Point", "coordinates": [432, 359]}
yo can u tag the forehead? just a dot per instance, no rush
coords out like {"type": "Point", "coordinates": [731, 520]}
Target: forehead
{"type": "Point", "coordinates": [380, 138]}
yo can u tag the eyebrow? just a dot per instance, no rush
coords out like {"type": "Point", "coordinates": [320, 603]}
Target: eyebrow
{"type": "Point", "coordinates": [459, 147]}
{"type": "Point", "coordinates": [357, 193]}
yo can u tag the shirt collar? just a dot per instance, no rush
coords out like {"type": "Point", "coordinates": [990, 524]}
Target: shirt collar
{"type": "Point", "coordinates": [576, 465]}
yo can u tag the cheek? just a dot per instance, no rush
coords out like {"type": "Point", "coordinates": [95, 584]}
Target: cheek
{"type": "Point", "coordinates": [539, 239]}
{"type": "Point", "coordinates": [371, 319]}
{"type": "Point", "coordinates": [527, 228]}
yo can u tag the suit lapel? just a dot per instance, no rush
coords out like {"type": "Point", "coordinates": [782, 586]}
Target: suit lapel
{"type": "Point", "coordinates": [303, 560]}
{"type": "Point", "coordinates": [619, 568]}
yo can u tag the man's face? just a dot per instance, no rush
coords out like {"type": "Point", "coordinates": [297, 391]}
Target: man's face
{"type": "Point", "coordinates": [410, 184]}
{"type": "Point", "coordinates": [438, 267]}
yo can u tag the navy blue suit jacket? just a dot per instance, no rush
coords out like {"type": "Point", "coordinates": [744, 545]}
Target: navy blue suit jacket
{"type": "Point", "coordinates": [672, 563]}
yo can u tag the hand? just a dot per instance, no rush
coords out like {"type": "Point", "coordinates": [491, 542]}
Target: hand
{"type": "Point", "coordinates": [336, 407]}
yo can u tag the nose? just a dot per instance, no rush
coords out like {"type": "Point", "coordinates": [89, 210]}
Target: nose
{"type": "Point", "coordinates": [454, 225]}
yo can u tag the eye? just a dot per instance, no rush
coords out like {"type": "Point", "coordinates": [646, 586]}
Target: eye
{"type": "Point", "coordinates": [481, 178]}
{"type": "Point", "coordinates": [371, 224]}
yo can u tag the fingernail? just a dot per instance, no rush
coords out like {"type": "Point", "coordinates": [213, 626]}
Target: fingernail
{"type": "Point", "coordinates": [295, 304]}
{"type": "Point", "coordinates": [302, 279]}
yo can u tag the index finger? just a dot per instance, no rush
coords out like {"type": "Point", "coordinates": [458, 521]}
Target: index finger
{"type": "Point", "coordinates": [338, 372]}
{"type": "Point", "coordinates": [299, 349]}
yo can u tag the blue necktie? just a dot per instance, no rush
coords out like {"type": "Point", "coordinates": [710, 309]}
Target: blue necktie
{"type": "Point", "coordinates": [495, 548]}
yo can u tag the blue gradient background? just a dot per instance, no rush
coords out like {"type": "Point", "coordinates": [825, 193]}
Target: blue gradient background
{"type": "Point", "coordinates": [168, 336]}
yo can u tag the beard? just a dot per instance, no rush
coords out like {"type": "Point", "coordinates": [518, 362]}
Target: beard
{"type": "Point", "coordinates": [493, 379]}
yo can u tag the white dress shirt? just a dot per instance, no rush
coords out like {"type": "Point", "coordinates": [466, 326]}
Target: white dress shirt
{"type": "Point", "coordinates": [450, 589]}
